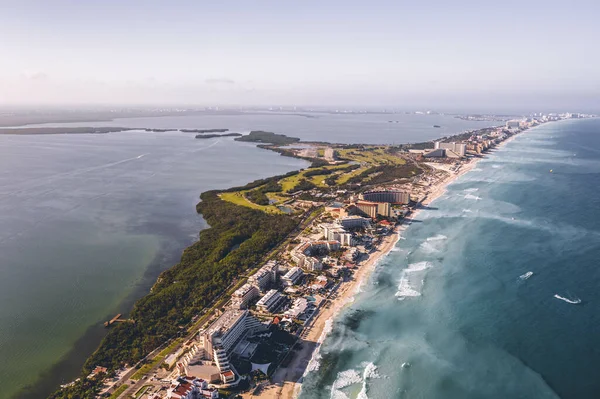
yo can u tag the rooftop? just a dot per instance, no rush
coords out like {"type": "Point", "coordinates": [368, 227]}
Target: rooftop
{"type": "Point", "coordinates": [226, 321]}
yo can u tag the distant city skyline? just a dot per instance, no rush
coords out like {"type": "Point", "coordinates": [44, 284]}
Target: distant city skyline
{"type": "Point", "coordinates": [506, 56]}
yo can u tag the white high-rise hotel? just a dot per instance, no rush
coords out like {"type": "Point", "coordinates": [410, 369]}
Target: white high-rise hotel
{"type": "Point", "coordinates": [219, 340]}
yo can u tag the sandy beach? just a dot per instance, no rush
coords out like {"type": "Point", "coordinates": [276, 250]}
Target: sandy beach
{"type": "Point", "coordinates": [286, 382]}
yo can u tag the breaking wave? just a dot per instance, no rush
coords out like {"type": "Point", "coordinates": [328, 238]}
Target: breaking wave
{"type": "Point", "coordinates": [346, 378]}
{"type": "Point", "coordinates": [417, 267]}
{"type": "Point", "coordinates": [405, 290]}
{"type": "Point", "coordinates": [437, 237]}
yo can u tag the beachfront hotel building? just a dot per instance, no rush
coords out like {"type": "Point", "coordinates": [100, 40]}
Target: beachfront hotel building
{"type": "Point", "coordinates": [335, 232]}
{"type": "Point", "coordinates": [243, 295]}
{"type": "Point", "coordinates": [265, 276]}
{"type": "Point", "coordinates": [459, 149]}
{"type": "Point", "coordinates": [437, 153]}
{"type": "Point", "coordinates": [270, 301]}
{"type": "Point", "coordinates": [311, 264]}
{"type": "Point", "coordinates": [391, 196]}
{"type": "Point", "coordinates": [221, 337]}
{"type": "Point", "coordinates": [292, 276]}
{"type": "Point", "coordinates": [372, 209]}
{"type": "Point", "coordinates": [304, 254]}
{"type": "Point", "coordinates": [513, 124]}
{"type": "Point", "coordinates": [353, 222]}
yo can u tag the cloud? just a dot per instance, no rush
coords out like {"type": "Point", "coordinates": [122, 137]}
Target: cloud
{"type": "Point", "coordinates": [35, 75]}
{"type": "Point", "coordinates": [219, 81]}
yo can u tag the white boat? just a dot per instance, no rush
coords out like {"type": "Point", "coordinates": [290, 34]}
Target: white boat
{"type": "Point", "coordinates": [526, 275]}
{"type": "Point", "coordinates": [568, 300]}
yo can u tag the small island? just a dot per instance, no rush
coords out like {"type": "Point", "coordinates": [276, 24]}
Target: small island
{"type": "Point", "coordinates": [159, 130]}
{"type": "Point", "coordinates": [259, 136]}
{"type": "Point", "coordinates": [203, 130]}
{"type": "Point", "coordinates": [210, 136]}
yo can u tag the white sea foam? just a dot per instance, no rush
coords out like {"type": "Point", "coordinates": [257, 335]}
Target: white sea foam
{"type": "Point", "coordinates": [406, 290]}
{"type": "Point", "coordinates": [417, 267]}
{"type": "Point", "coordinates": [315, 361]}
{"type": "Point", "coordinates": [433, 244]}
{"type": "Point", "coordinates": [371, 371]}
{"type": "Point", "coordinates": [470, 190]}
{"type": "Point", "coordinates": [346, 378]}
{"type": "Point", "coordinates": [428, 247]}
{"type": "Point", "coordinates": [473, 197]}
{"type": "Point", "coordinates": [467, 211]}
{"type": "Point", "coordinates": [337, 394]}
{"type": "Point", "coordinates": [437, 237]}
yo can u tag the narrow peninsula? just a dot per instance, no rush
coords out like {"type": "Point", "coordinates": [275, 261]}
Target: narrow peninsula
{"type": "Point", "coordinates": [247, 303]}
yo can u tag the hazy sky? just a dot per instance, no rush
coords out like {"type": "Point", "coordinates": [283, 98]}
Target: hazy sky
{"type": "Point", "coordinates": [389, 53]}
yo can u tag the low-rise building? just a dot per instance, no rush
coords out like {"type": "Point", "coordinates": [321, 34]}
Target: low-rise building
{"type": "Point", "coordinates": [320, 282]}
{"type": "Point", "coordinates": [298, 307]}
{"type": "Point", "coordinates": [352, 254]}
{"type": "Point", "coordinates": [270, 301]}
{"type": "Point", "coordinates": [191, 388]}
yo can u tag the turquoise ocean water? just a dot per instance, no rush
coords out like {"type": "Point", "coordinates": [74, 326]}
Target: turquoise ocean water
{"type": "Point", "coordinates": [446, 314]}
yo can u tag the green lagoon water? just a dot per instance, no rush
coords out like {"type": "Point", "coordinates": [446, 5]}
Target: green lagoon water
{"type": "Point", "coordinates": [86, 224]}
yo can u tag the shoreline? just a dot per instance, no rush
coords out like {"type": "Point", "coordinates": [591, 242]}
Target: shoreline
{"type": "Point", "coordinates": [286, 382]}
{"type": "Point", "coordinates": [292, 390]}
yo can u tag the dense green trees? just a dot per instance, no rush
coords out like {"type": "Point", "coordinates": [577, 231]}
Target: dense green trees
{"type": "Point", "coordinates": [259, 195]}
{"type": "Point", "coordinates": [205, 271]}
{"type": "Point", "coordinates": [303, 185]}
{"type": "Point", "coordinates": [384, 174]}
{"type": "Point", "coordinates": [259, 136]}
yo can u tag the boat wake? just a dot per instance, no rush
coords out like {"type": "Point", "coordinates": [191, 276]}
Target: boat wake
{"type": "Point", "coordinates": [574, 301]}
{"type": "Point", "coordinates": [526, 275]}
